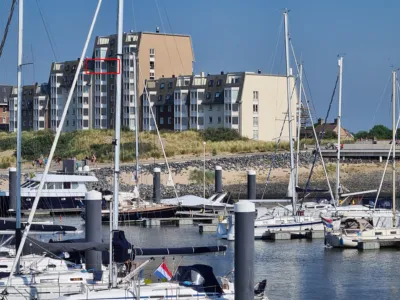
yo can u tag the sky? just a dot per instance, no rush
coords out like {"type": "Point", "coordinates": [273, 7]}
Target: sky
{"type": "Point", "coordinates": [234, 36]}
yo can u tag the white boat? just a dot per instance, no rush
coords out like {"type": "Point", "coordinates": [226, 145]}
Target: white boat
{"type": "Point", "coordinates": [189, 282]}
{"type": "Point", "coordinates": [214, 203]}
{"type": "Point", "coordinates": [61, 191]}
{"type": "Point", "coordinates": [354, 231]}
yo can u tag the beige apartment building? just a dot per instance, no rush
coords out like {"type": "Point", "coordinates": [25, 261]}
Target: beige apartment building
{"type": "Point", "coordinates": [157, 55]}
{"type": "Point", "coordinates": [254, 104]}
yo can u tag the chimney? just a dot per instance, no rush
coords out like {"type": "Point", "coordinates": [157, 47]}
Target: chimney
{"type": "Point", "coordinates": [258, 71]}
{"type": "Point", "coordinates": [320, 121]}
{"type": "Point", "coordinates": [158, 29]}
{"type": "Point", "coordinates": [202, 74]}
{"type": "Point", "coordinates": [173, 76]}
{"type": "Point", "coordinates": [222, 72]}
{"type": "Point", "coordinates": [335, 121]}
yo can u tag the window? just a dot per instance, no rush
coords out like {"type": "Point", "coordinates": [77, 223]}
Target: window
{"type": "Point", "coordinates": [255, 121]}
{"type": "Point", "coordinates": [169, 108]}
{"type": "Point", "coordinates": [219, 82]}
{"type": "Point", "coordinates": [255, 134]}
{"type": "Point", "coordinates": [235, 120]}
{"type": "Point", "coordinates": [217, 94]}
{"type": "Point", "coordinates": [208, 95]}
{"type": "Point", "coordinates": [235, 107]}
{"type": "Point", "coordinates": [162, 84]}
{"type": "Point", "coordinates": [169, 120]}
{"type": "Point", "coordinates": [255, 108]}
{"type": "Point", "coordinates": [152, 52]}
{"type": "Point", "coordinates": [255, 95]}
{"type": "Point", "coordinates": [67, 123]}
{"type": "Point", "coordinates": [73, 111]}
{"type": "Point", "coordinates": [170, 85]}
{"type": "Point", "coordinates": [161, 121]}
{"type": "Point", "coordinates": [219, 120]}
{"type": "Point", "coordinates": [210, 120]}
{"type": "Point", "coordinates": [160, 98]}
{"type": "Point", "coordinates": [210, 107]}
{"type": "Point", "coordinates": [168, 97]}
{"type": "Point", "coordinates": [152, 65]}
{"type": "Point", "coordinates": [210, 82]}
{"type": "Point", "coordinates": [112, 87]}
{"type": "Point", "coordinates": [161, 108]}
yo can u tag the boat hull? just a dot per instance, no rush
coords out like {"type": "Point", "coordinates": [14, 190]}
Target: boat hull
{"type": "Point", "coordinates": [133, 215]}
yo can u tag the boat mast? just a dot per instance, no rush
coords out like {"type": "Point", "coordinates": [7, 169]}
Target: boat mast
{"type": "Point", "coordinates": [339, 126]}
{"type": "Point", "coordinates": [299, 124]}
{"type": "Point", "coordinates": [19, 125]}
{"type": "Point", "coordinates": [117, 141]}
{"type": "Point", "coordinates": [289, 100]}
{"type": "Point", "coordinates": [136, 127]}
{"type": "Point", "coordinates": [394, 147]}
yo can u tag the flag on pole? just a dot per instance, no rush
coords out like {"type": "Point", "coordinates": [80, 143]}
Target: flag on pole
{"type": "Point", "coordinates": [163, 272]}
{"type": "Point", "coordinates": [327, 222]}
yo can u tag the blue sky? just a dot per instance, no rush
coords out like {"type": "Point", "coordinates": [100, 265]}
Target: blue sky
{"type": "Point", "coordinates": [237, 35]}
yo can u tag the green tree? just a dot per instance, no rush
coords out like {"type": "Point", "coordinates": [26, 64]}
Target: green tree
{"type": "Point", "coordinates": [381, 132]}
{"type": "Point", "coordinates": [362, 135]}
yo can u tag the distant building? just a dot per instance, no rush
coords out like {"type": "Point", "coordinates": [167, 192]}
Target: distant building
{"type": "Point", "coordinates": [5, 92]}
{"type": "Point", "coordinates": [254, 104]}
{"type": "Point", "coordinates": [157, 55]}
{"type": "Point", "coordinates": [327, 128]}
{"type": "Point", "coordinates": [34, 107]}
{"type": "Point", "coordinates": [79, 112]}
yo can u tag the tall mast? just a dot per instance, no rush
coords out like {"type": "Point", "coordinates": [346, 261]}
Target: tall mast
{"type": "Point", "coordinates": [19, 125]}
{"type": "Point", "coordinates": [136, 127]}
{"type": "Point", "coordinates": [394, 147]}
{"type": "Point", "coordinates": [117, 141]}
{"type": "Point", "coordinates": [289, 100]}
{"type": "Point", "coordinates": [299, 124]}
{"type": "Point", "coordinates": [339, 126]}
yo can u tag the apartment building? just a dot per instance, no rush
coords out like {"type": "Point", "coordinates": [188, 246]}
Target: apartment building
{"type": "Point", "coordinates": [156, 55]}
{"type": "Point", "coordinates": [79, 112]}
{"type": "Point", "coordinates": [41, 104]}
{"type": "Point", "coordinates": [5, 92]}
{"type": "Point", "coordinates": [255, 104]}
{"type": "Point", "coordinates": [34, 107]}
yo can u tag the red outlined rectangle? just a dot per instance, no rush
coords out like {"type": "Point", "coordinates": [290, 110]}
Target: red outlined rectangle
{"type": "Point", "coordinates": [89, 72]}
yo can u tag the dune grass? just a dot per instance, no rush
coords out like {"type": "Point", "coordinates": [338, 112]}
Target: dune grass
{"type": "Point", "coordinates": [80, 144]}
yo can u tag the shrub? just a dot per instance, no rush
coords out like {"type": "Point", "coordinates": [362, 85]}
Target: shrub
{"type": "Point", "coordinates": [221, 134]}
{"type": "Point", "coordinates": [196, 176]}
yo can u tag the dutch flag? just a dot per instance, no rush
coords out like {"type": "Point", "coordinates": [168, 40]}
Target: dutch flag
{"type": "Point", "coordinates": [163, 272]}
{"type": "Point", "coordinates": [327, 222]}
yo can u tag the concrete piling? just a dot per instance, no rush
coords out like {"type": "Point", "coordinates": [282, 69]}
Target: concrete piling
{"type": "Point", "coordinates": [251, 185]}
{"type": "Point", "coordinates": [93, 227]}
{"type": "Point", "coordinates": [157, 185]}
{"type": "Point", "coordinates": [244, 250]}
{"type": "Point", "coordinates": [12, 188]}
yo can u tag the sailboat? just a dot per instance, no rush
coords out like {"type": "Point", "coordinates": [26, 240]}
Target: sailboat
{"type": "Point", "coordinates": [297, 220]}
{"type": "Point", "coordinates": [362, 229]}
{"type": "Point", "coordinates": [45, 284]}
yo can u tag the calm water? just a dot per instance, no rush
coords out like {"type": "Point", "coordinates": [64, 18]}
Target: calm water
{"type": "Point", "coordinates": [297, 269]}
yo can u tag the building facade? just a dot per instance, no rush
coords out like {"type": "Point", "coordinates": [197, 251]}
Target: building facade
{"type": "Point", "coordinates": [156, 55]}
{"type": "Point", "coordinates": [254, 104]}
{"type": "Point", "coordinates": [35, 100]}
{"type": "Point", "coordinates": [5, 92]}
{"type": "Point", "coordinates": [79, 112]}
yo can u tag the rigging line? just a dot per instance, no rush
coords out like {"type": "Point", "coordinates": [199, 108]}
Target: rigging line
{"type": "Point", "coordinates": [3, 41]}
{"type": "Point", "coordinates": [381, 99]}
{"type": "Point", "coordinates": [165, 42]}
{"type": "Point", "coordinates": [308, 86]}
{"type": "Point", "coordinates": [313, 128]}
{"type": "Point", "coordinates": [276, 46]}
{"type": "Point", "coordinates": [321, 135]}
{"type": "Point", "coordinates": [47, 32]}
{"type": "Point", "coordinates": [147, 96]}
{"type": "Point", "coordinates": [278, 142]}
{"type": "Point", "coordinates": [176, 44]}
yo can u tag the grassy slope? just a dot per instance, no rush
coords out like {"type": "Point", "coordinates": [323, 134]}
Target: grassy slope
{"type": "Point", "coordinates": [82, 143]}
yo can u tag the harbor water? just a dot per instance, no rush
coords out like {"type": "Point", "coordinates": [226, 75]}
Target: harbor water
{"type": "Point", "coordinates": [295, 269]}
